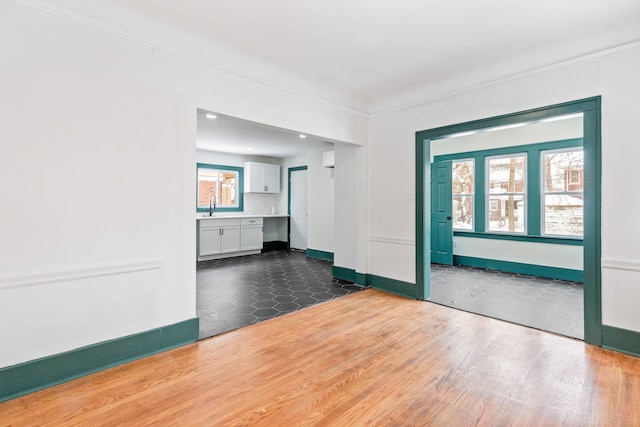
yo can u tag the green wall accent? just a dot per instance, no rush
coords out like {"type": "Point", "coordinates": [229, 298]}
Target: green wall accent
{"type": "Point", "coordinates": [534, 239]}
{"type": "Point", "coordinates": [325, 256]}
{"type": "Point", "coordinates": [622, 340]}
{"type": "Point", "coordinates": [591, 108]}
{"type": "Point", "coordinates": [517, 267]}
{"type": "Point", "coordinates": [27, 377]}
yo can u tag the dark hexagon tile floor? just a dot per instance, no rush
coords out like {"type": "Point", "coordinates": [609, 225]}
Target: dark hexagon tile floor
{"type": "Point", "coordinates": [235, 292]}
{"type": "Point", "coordinates": [546, 304]}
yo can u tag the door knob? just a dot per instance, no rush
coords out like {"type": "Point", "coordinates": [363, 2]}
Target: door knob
{"type": "Point", "coordinates": [449, 218]}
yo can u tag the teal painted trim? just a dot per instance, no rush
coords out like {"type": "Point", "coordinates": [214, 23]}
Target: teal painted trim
{"type": "Point", "coordinates": [622, 340]}
{"type": "Point", "coordinates": [423, 231]}
{"type": "Point", "coordinates": [520, 268]}
{"type": "Point", "coordinates": [343, 273]}
{"type": "Point", "coordinates": [38, 374]}
{"type": "Point", "coordinates": [239, 187]}
{"type": "Point", "coordinates": [361, 279]}
{"type": "Point", "coordinates": [324, 256]}
{"type": "Point", "coordinates": [398, 287]}
{"type": "Point", "coordinates": [533, 196]}
{"type": "Point", "coordinates": [534, 239]}
{"type": "Point", "coordinates": [592, 142]}
{"type": "Point", "coordinates": [592, 223]}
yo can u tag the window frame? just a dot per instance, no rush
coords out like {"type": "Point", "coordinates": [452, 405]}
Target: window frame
{"type": "Point", "coordinates": [533, 233]}
{"type": "Point", "coordinates": [239, 187]}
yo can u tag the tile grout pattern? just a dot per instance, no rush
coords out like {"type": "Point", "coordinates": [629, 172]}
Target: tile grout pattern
{"type": "Point", "coordinates": [547, 304]}
{"type": "Point", "coordinates": [239, 291]}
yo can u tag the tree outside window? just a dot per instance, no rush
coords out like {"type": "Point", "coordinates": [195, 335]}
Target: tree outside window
{"type": "Point", "coordinates": [563, 192]}
{"type": "Point", "coordinates": [506, 193]}
{"type": "Point", "coordinates": [463, 191]}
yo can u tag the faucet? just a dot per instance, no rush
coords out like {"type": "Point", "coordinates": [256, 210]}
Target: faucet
{"type": "Point", "coordinates": [212, 206]}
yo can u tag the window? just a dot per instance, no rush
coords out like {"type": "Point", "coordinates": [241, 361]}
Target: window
{"type": "Point", "coordinates": [219, 186]}
{"type": "Point", "coordinates": [507, 193]}
{"type": "Point", "coordinates": [463, 189]}
{"type": "Point", "coordinates": [562, 192]}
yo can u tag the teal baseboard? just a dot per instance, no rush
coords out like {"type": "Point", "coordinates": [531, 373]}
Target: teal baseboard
{"type": "Point", "coordinates": [394, 286]}
{"type": "Point", "coordinates": [344, 274]}
{"type": "Point", "coordinates": [325, 256]}
{"type": "Point", "coordinates": [27, 377]}
{"type": "Point", "coordinates": [516, 267]}
{"type": "Point", "coordinates": [622, 340]}
{"type": "Point", "coordinates": [398, 287]}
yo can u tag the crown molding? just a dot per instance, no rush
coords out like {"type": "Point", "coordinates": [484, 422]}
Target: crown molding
{"type": "Point", "coordinates": [114, 30]}
{"type": "Point", "coordinates": [559, 66]}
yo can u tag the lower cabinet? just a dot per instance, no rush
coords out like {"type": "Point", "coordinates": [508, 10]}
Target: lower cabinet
{"type": "Point", "coordinates": [219, 238]}
{"type": "Point", "coordinates": [251, 234]}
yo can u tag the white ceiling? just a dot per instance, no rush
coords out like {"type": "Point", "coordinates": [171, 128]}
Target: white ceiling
{"type": "Point", "coordinates": [232, 135]}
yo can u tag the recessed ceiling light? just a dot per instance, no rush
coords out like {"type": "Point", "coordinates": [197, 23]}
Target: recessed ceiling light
{"type": "Point", "coordinates": [303, 136]}
{"type": "Point", "coordinates": [211, 116]}
{"type": "Point", "coordinates": [249, 148]}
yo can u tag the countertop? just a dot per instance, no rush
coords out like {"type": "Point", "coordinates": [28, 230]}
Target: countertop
{"type": "Point", "coordinates": [238, 215]}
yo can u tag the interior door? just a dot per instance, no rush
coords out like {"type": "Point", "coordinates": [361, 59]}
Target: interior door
{"type": "Point", "coordinates": [441, 211]}
{"type": "Point", "coordinates": [298, 209]}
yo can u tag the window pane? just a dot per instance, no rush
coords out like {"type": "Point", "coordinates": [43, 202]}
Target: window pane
{"type": "Point", "coordinates": [507, 174]}
{"type": "Point", "coordinates": [463, 212]}
{"type": "Point", "coordinates": [563, 171]}
{"type": "Point", "coordinates": [463, 177]}
{"type": "Point", "coordinates": [563, 214]}
{"type": "Point", "coordinates": [217, 186]}
{"type": "Point", "coordinates": [508, 215]}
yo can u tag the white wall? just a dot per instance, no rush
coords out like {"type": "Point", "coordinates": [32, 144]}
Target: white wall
{"type": "Point", "coordinates": [253, 203]}
{"type": "Point", "coordinates": [97, 160]}
{"type": "Point", "coordinates": [320, 203]}
{"type": "Point", "coordinates": [614, 76]}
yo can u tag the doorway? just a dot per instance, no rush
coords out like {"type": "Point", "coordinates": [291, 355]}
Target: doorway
{"type": "Point", "coordinates": [590, 109]}
{"type": "Point", "coordinates": [298, 215]}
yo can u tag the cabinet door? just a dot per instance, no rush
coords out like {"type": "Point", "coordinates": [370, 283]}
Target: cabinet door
{"type": "Point", "coordinates": [251, 237]}
{"type": "Point", "coordinates": [254, 177]}
{"type": "Point", "coordinates": [230, 239]}
{"type": "Point", "coordinates": [272, 178]}
{"type": "Point", "coordinates": [209, 241]}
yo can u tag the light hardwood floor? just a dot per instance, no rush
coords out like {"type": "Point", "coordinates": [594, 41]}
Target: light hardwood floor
{"type": "Point", "coordinates": [369, 358]}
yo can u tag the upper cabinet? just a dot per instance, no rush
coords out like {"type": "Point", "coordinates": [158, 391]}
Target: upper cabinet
{"type": "Point", "coordinates": [261, 178]}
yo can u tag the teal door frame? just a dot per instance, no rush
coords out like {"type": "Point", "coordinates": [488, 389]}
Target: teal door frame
{"type": "Point", "coordinates": [592, 145]}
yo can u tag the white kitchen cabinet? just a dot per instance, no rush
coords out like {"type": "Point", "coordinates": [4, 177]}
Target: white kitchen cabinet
{"type": "Point", "coordinates": [251, 234]}
{"type": "Point", "coordinates": [261, 178]}
{"type": "Point", "coordinates": [218, 236]}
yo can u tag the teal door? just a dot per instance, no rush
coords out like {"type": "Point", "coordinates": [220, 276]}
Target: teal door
{"type": "Point", "coordinates": [441, 207]}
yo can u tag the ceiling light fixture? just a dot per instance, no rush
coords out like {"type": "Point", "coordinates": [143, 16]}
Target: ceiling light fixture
{"type": "Point", "coordinates": [303, 136]}
{"type": "Point", "coordinates": [249, 148]}
{"type": "Point", "coordinates": [211, 116]}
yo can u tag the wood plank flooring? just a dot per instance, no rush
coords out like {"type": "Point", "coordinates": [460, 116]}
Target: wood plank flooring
{"type": "Point", "coordinates": [369, 358]}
